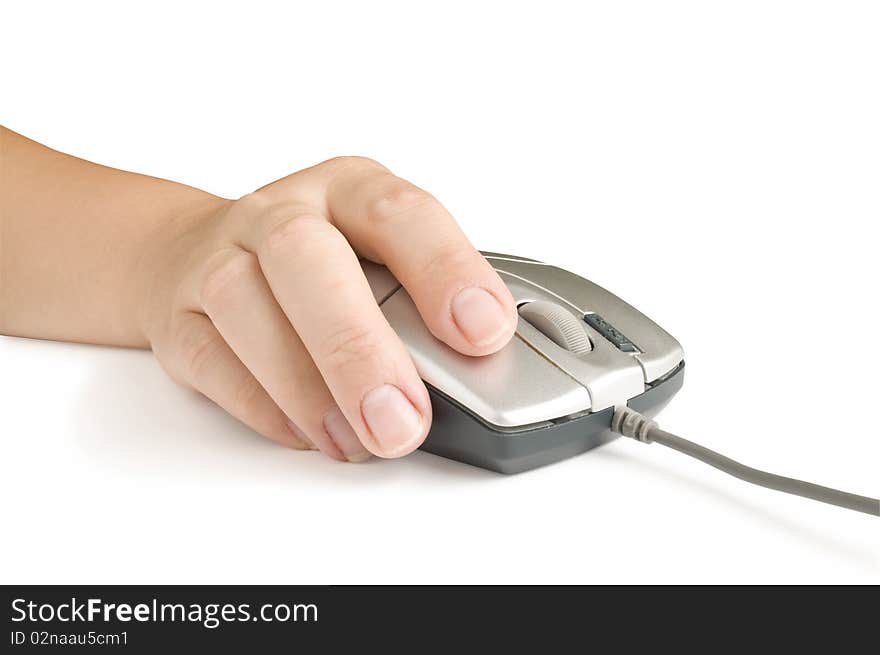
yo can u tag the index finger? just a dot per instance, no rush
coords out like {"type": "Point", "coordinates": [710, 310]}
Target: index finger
{"type": "Point", "coordinates": [459, 295]}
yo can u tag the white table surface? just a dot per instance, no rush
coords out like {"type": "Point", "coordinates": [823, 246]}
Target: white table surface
{"type": "Point", "coordinates": [111, 473]}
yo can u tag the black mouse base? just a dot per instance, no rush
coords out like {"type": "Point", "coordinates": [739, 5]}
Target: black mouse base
{"type": "Point", "coordinates": [457, 434]}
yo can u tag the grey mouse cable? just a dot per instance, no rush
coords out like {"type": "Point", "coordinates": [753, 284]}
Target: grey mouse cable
{"type": "Point", "coordinates": [630, 423]}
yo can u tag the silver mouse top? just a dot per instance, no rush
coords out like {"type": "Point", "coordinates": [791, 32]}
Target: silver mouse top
{"type": "Point", "coordinates": [577, 348]}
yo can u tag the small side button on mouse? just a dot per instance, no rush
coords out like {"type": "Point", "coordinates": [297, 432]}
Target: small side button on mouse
{"type": "Point", "coordinates": [615, 336]}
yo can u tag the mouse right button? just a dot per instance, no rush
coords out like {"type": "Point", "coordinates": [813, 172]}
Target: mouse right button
{"type": "Point", "coordinates": [654, 348]}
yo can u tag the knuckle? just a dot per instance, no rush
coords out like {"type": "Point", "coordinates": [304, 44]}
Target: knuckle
{"type": "Point", "coordinates": [352, 343]}
{"type": "Point", "coordinates": [224, 269]}
{"type": "Point", "coordinates": [447, 262]}
{"type": "Point", "coordinates": [263, 207]}
{"type": "Point", "coordinates": [350, 161]}
{"type": "Point", "coordinates": [254, 202]}
{"type": "Point", "coordinates": [396, 199]}
{"type": "Point", "coordinates": [292, 234]}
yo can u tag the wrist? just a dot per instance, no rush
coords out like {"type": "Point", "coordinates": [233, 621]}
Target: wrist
{"type": "Point", "coordinates": [171, 248]}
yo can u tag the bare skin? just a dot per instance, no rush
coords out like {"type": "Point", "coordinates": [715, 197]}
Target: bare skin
{"type": "Point", "coordinates": [258, 303]}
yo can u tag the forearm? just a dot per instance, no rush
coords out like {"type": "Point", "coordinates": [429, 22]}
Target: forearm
{"type": "Point", "coordinates": [76, 243]}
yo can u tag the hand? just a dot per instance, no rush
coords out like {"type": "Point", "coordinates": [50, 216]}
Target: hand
{"type": "Point", "coordinates": [261, 305]}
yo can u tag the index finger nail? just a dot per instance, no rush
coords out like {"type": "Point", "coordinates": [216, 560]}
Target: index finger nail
{"type": "Point", "coordinates": [479, 316]}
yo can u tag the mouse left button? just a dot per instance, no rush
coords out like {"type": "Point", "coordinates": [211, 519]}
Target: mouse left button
{"type": "Point", "coordinates": [514, 388]}
{"type": "Point", "coordinates": [382, 282]}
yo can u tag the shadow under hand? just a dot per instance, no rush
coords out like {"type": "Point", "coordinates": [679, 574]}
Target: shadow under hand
{"type": "Point", "coordinates": [131, 415]}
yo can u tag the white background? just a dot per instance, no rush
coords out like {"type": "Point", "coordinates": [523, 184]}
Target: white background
{"type": "Point", "coordinates": [715, 164]}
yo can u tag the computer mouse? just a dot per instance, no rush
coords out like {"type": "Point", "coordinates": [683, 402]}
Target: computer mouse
{"type": "Point", "coordinates": [578, 352]}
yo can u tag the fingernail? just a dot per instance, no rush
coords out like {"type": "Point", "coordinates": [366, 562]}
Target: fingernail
{"type": "Point", "coordinates": [392, 419]}
{"type": "Point", "coordinates": [479, 316]}
{"type": "Point", "coordinates": [299, 434]}
{"type": "Point", "coordinates": [343, 435]}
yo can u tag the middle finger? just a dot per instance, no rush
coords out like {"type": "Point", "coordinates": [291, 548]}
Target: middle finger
{"type": "Point", "coordinates": [316, 278]}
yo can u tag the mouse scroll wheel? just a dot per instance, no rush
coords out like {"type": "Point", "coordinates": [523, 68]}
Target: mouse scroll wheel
{"type": "Point", "coordinates": [557, 324]}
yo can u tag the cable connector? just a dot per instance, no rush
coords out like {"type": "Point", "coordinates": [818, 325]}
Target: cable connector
{"type": "Point", "coordinates": [630, 423]}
